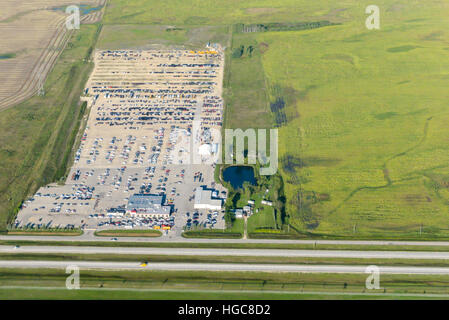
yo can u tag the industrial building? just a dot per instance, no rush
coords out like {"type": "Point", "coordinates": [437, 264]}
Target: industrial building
{"type": "Point", "coordinates": [147, 205]}
{"type": "Point", "coordinates": [205, 200]}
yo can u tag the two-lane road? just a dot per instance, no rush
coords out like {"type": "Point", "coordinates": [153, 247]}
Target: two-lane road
{"type": "Point", "coordinates": [235, 267]}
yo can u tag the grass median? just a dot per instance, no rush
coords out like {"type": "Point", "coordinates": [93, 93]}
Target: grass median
{"type": "Point", "coordinates": [14, 293]}
{"type": "Point", "coordinates": [44, 232]}
{"type": "Point", "coordinates": [205, 284]}
{"type": "Point", "coordinates": [225, 245]}
{"type": "Point", "coordinates": [225, 259]}
{"type": "Point", "coordinates": [213, 234]}
{"type": "Point", "coordinates": [128, 233]}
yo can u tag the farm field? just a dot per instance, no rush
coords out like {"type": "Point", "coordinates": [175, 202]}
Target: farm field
{"type": "Point", "coordinates": [49, 284]}
{"type": "Point", "coordinates": [36, 136]}
{"type": "Point", "coordinates": [34, 35]}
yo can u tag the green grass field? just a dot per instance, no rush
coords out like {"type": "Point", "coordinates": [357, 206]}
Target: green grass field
{"type": "Point", "coordinates": [246, 94]}
{"type": "Point", "coordinates": [243, 245]}
{"type": "Point", "coordinates": [129, 233]}
{"type": "Point", "coordinates": [151, 258]}
{"type": "Point", "coordinates": [132, 36]}
{"type": "Point", "coordinates": [213, 234]}
{"type": "Point", "coordinates": [264, 218]}
{"type": "Point", "coordinates": [217, 12]}
{"type": "Point", "coordinates": [52, 293]}
{"type": "Point", "coordinates": [363, 151]}
{"type": "Point", "coordinates": [40, 284]}
{"type": "Point", "coordinates": [40, 232]}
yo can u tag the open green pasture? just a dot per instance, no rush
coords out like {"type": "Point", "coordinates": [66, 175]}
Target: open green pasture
{"type": "Point", "coordinates": [50, 284]}
{"type": "Point", "coordinates": [364, 149]}
{"type": "Point", "coordinates": [218, 12]}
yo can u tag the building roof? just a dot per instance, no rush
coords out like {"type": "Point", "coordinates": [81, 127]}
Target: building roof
{"type": "Point", "coordinates": [205, 150]}
{"type": "Point", "coordinates": [147, 203]}
{"type": "Point", "coordinates": [238, 213]}
{"type": "Point", "coordinates": [204, 197]}
{"type": "Point", "coordinates": [266, 202]}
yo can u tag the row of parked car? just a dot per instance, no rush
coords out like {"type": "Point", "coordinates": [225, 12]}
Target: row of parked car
{"type": "Point", "coordinates": [194, 220]}
{"type": "Point", "coordinates": [140, 222]}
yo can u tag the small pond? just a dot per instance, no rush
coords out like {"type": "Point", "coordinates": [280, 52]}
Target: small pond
{"type": "Point", "coordinates": [237, 175]}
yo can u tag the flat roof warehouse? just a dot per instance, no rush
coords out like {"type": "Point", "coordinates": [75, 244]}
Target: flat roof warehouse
{"type": "Point", "coordinates": [147, 205]}
{"type": "Point", "coordinates": [204, 200]}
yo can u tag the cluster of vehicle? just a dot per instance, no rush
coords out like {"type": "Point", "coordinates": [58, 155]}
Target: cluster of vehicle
{"type": "Point", "coordinates": [172, 152]}
{"type": "Point", "coordinates": [31, 225]}
{"type": "Point", "coordinates": [103, 177]}
{"type": "Point", "coordinates": [129, 223]}
{"type": "Point", "coordinates": [94, 151]}
{"type": "Point", "coordinates": [195, 221]}
{"type": "Point", "coordinates": [89, 173]}
{"type": "Point", "coordinates": [198, 177]}
{"type": "Point", "coordinates": [76, 175]}
{"type": "Point", "coordinates": [145, 187]}
{"type": "Point", "coordinates": [110, 153]}
{"type": "Point", "coordinates": [156, 150]}
{"type": "Point", "coordinates": [150, 171]}
{"type": "Point", "coordinates": [58, 206]}
{"type": "Point", "coordinates": [212, 111]}
{"type": "Point", "coordinates": [162, 186]}
{"type": "Point", "coordinates": [81, 192]}
{"type": "Point", "coordinates": [156, 104]}
{"type": "Point", "coordinates": [97, 216]}
{"type": "Point", "coordinates": [126, 148]}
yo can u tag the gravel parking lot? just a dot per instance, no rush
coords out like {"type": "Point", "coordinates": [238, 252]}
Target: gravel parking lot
{"type": "Point", "coordinates": [137, 141]}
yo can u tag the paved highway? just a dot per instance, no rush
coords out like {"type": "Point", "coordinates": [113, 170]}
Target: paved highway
{"type": "Point", "coordinates": [228, 252]}
{"type": "Point", "coordinates": [219, 267]}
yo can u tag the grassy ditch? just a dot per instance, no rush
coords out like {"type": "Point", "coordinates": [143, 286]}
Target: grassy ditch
{"type": "Point", "coordinates": [207, 282]}
{"type": "Point", "coordinates": [224, 259]}
{"type": "Point", "coordinates": [225, 245]}
{"type": "Point", "coordinates": [128, 233]}
{"type": "Point", "coordinates": [44, 232]}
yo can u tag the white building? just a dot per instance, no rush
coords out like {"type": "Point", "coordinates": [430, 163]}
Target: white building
{"type": "Point", "coordinates": [267, 203]}
{"type": "Point", "coordinates": [238, 213]}
{"type": "Point", "coordinates": [204, 200]}
{"type": "Point", "coordinates": [205, 150]}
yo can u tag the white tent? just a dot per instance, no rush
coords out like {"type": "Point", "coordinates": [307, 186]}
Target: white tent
{"type": "Point", "coordinates": [205, 150]}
